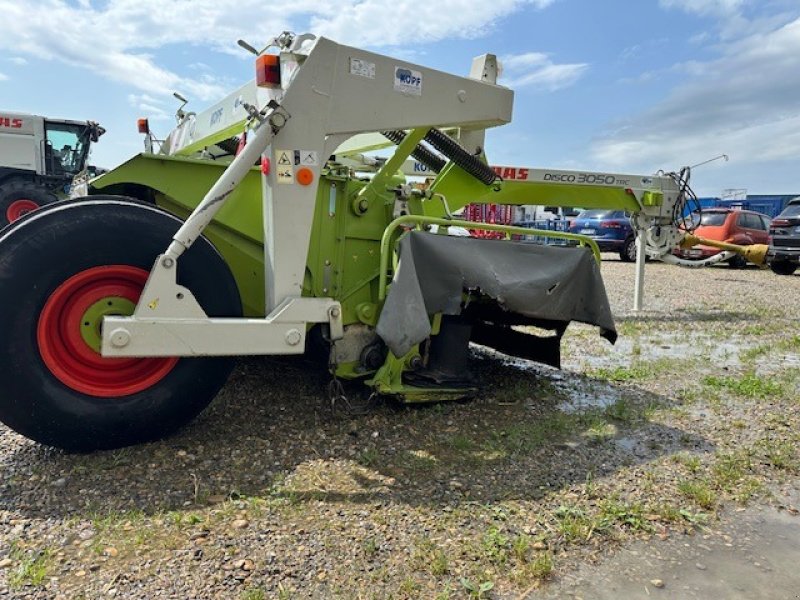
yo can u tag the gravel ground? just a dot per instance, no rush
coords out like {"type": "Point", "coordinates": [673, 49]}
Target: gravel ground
{"type": "Point", "coordinates": [691, 416]}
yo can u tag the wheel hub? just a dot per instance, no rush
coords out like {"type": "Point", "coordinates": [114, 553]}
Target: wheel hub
{"type": "Point", "coordinates": [20, 207]}
{"type": "Point", "coordinates": [69, 333]}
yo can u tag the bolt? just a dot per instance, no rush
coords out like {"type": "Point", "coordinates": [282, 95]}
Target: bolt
{"type": "Point", "coordinates": [334, 312]}
{"type": "Point", "coordinates": [120, 338]}
{"type": "Point", "coordinates": [363, 205]}
{"type": "Point", "coordinates": [415, 362]}
{"type": "Point", "coordinates": [167, 263]}
{"type": "Point", "coordinates": [293, 337]}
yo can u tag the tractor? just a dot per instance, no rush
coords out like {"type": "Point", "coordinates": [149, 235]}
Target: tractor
{"type": "Point", "coordinates": [39, 157]}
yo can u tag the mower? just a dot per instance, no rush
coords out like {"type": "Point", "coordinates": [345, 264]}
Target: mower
{"type": "Point", "coordinates": [263, 226]}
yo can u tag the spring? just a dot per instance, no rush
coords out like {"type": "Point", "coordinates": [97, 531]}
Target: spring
{"type": "Point", "coordinates": [452, 150]}
{"type": "Point", "coordinates": [421, 153]}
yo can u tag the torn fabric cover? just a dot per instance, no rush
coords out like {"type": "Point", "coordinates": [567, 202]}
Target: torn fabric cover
{"type": "Point", "coordinates": [549, 283]}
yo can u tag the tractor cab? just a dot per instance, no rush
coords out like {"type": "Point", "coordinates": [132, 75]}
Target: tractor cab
{"type": "Point", "coordinates": [66, 146]}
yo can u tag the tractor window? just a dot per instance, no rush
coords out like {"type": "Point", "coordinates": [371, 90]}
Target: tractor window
{"type": "Point", "coordinates": [65, 148]}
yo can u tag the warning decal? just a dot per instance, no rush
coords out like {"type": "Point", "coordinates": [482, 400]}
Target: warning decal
{"type": "Point", "coordinates": [283, 157]}
{"type": "Point", "coordinates": [305, 158]}
{"type": "Point", "coordinates": [284, 174]}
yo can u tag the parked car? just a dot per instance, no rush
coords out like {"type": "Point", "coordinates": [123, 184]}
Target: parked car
{"type": "Point", "coordinates": [611, 229]}
{"type": "Point", "coordinates": [731, 225]}
{"type": "Point", "coordinates": [784, 239]}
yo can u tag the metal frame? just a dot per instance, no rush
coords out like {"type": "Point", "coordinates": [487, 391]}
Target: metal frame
{"type": "Point", "coordinates": [323, 103]}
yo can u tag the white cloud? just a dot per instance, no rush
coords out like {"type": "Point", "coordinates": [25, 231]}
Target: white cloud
{"type": "Point", "coordinates": [17, 60]}
{"type": "Point", "coordinates": [744, 103]}
{"type": "Point", "coordinates": [706, 7]}
{"type": "Point", "coordinates": [3, 77]}
{"type": "Point", "coordinates": [536, 68]}
{"type": "Point", "coordinates": [381, 23]}
{"type": "Point", "coordinates": [115, 39]}
{"type": "Point", "coordinates": [150, 107]}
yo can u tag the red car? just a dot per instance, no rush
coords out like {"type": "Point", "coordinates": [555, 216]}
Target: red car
{"type": "Point", "coordinates": [731, 225]}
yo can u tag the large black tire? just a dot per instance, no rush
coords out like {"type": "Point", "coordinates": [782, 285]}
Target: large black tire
{"type": "Point", "coordinates": [39, 256]}
{"type": "Point", "coordinates": [19, 197]}
{"type": "Point", "coordinates": [628, 252]}
{"type": "Point", "coordinates": [783, 267]}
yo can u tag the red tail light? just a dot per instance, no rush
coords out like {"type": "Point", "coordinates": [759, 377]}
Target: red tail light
{"type": "Point", "coordinates": [780, 223]}
{"type": "Point", "coordinates": [611, 224]}
{"type": "Point", "coordinates": [268, 71]}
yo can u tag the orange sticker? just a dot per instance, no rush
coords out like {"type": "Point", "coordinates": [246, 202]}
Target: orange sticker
{"type": "Point", "coordinates": [304, 176]}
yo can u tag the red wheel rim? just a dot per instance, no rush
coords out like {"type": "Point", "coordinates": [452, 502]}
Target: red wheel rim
{"type": "Point", "coordinates": [20, 207]}
{"type": "Point", "coordinates": [67, 354]}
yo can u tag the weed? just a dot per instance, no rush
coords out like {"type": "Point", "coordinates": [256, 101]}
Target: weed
{"type": "Point", "coordinates": [615, 512]}
{"type": "Point", "coordinates": [572, 523]}
{"type": "Point", "coordinates": [462, 443]}
{"type": "Point", "coordinates": [623, 411]}
{"type": "Point", "coordinates": [370, 547]}
{"type": "Point", "coordinates": [477, 591]}
{"type": "Point", "coordinates": [542, 566]}
{"type": "Point", "coordinates": [520, 547]}
{"type": "Point", "coordinates": [496, 546]}
{"type": "Point", "coordinates": [690, 461]}
{"type": "Point", "coordinates": [368, 457]}
{"type": "Point", "coordinates": [427, 556]}
{"type": "Point", "coordinates": [747, 386]}
{"type": "Point", "coordinates": [781, 454]}
{"type": "Point", "coordinates": [700, 492]}
{"type": "Point", "coordinates": [259, 594]}
{"type": "Point", "coordinates": [731, 468]}
{"type": "Point", "coordinates": [31, 568]}
{"type": "Point", "coordinates": [409, 587]}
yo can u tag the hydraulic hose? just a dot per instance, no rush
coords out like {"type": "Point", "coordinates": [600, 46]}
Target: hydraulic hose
{"type": "Point", "coordinates": [421, 153]}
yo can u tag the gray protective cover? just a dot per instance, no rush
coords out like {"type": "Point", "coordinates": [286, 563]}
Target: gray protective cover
{"type": "Point", "coordinates": [541, 282]}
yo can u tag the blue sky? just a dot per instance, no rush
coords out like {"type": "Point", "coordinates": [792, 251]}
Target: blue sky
{"type": "Point", "coordinates": [630, 86]}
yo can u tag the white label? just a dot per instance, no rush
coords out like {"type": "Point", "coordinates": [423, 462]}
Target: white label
{"type": "Point", "coordinates": [362, 68]}
{"type": "Point", "coordinates": [305, 158]}
{"type": "Point", "coordinates": [284, 167]}
{"type": "Point", "coordinates": [284, 174]}
{"type": "Point", "coordinates": [407, 81]}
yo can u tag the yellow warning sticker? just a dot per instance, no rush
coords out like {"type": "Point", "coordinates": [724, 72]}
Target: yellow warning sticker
{"type": "Point", "coordinates": [284, 166]}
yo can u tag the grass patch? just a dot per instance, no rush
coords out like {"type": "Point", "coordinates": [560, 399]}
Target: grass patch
{"type": "Point", "coordinates": [747, 386]}
{"type": "Point", "coordinates": [630, 516]}
{"type": "Point", "coordinates": [573, 524]}
{"type": "Point", "coordinates": [428, 556]}
{"type": "Point", "coordinates": [31, 568]}
{"type": "Point", "coordinates": [700, 492]}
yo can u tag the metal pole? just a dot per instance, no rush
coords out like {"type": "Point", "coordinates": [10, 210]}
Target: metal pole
{"type": "Point", "coordinates": [638, 284]}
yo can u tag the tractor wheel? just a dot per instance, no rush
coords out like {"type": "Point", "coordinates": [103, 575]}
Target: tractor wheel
{"type": "Point", "coordinates": [783, 267]}
{"type": "Point", "coordinates": [628, 252]}
{"type": "Point", "coordinates": [64, 268]}
{"type": "Point", "coordinates": [19, 197]}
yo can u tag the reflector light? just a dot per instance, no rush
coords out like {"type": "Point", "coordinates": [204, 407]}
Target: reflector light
{"type": "Point", "coordinates": [143, 125]}
{"type": "Point", "coordinates": [265, 165]}
{"type": "Point", "coordinates": [305, 176]}
{"type": "Point", "coordinates": [268, 71]}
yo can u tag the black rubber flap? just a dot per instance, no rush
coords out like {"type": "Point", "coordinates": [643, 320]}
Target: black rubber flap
{"type": "Point", "coordinates": [554, 283]}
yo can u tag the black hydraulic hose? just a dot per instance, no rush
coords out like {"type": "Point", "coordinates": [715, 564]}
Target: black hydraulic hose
{"type": "Point", "coordinates": [421, 153]}
{"type": "Point", "coordinates": [452, 150]}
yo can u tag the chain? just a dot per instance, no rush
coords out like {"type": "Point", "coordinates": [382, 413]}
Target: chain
{"type": "Point", "coordinates": [337, 397]}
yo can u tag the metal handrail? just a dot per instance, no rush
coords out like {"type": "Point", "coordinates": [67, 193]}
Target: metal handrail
{"type": "Point", "coordinates": [418, 220]}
